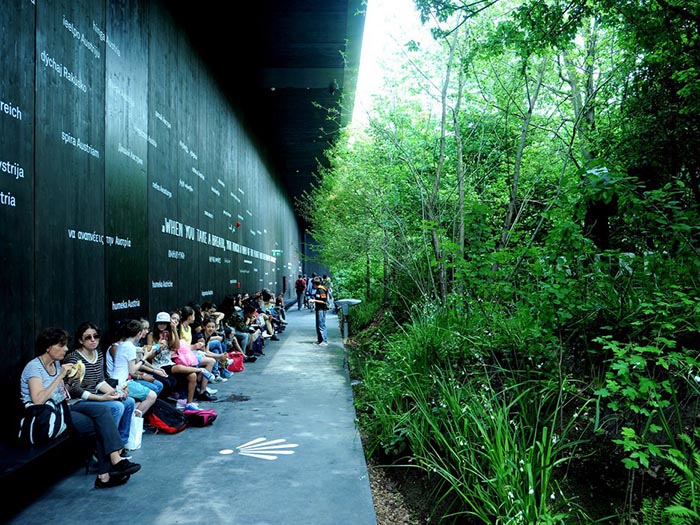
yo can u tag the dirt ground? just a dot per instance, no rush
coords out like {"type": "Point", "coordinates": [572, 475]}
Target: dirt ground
{"type": "Point", "coordinates": [398, 495]}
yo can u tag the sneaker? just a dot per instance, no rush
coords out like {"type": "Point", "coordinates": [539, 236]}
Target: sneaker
{"type": "Point", "coordinates": [124, 454]}
{"type": "Point", "coordinates": [206, 373]}
{"type": "Point", "coordinates": [212, 390]}
{"type": "Point", "coordinates": [274, 338]}
{"type": "Point", "coordinates": [217, 379]}
{"type": "Point", "coordinates": [222, 379]}
{"type": "Point", "coordinates": [192, 406]}
{"type": "Point", "coordinates": [124, 468]}
{"type": "Point", "coordinates": [205, 396]}
{"type": "Point", "coordinates": [181, 404]}
{"type": "Point", "coordinates": [114, 481]}
{"type": "Point", "coordinates": [324, 343]}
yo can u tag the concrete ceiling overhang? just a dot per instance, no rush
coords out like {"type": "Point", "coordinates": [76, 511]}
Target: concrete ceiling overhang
{"type": "Point", "coordinates": [288, 67]}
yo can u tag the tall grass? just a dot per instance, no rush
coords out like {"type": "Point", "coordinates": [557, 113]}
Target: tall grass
{"type": "Point", "coordinates": [494, 441]}
{"type": "Point", "coordinates": [499, 450]}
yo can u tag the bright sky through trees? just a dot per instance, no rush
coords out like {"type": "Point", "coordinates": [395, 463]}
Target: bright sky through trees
{"type": "Point", "coordinates": [389, 25]}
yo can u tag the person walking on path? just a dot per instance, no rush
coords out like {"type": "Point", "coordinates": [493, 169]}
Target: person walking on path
{"type": "Point", "coordinates": [300, 287]}
{"type": "Point", "coordinates": [320, 302]}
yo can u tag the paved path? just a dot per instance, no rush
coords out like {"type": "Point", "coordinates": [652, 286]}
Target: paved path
{"type": "Point", "coordinates": [297, 394]}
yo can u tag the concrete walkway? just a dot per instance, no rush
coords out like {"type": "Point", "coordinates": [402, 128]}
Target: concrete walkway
{"type": "Point", "coordinates": [312, 470]}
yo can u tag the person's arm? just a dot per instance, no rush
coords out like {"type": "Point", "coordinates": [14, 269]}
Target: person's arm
{"type": "Point", "coordinates": [40, 395]}
{"type": "Point", "coordinates": [75, 388]}
{"type": "Point", "coordinates": [174, 343]}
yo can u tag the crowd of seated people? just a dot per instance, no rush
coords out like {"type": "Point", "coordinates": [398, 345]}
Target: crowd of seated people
{"type": "Point", "coordinates": [126, 372]}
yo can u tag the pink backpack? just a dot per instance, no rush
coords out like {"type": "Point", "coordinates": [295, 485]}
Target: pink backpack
{"type": "Point", "coordinates": [185, 356]}
{"type": "Point", "coordinates": [200, 418]}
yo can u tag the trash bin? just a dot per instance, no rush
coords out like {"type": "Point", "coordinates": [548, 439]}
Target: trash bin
{"type": "Point", "coordinates": [345, 304]}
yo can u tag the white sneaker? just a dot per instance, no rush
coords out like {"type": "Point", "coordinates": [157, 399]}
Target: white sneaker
{"type": "Point", "coordinates": [212, 391]}
{"type": "Point", "coordinates": [324, 343]}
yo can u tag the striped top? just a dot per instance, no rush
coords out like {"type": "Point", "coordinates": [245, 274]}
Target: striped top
{"type": "Point", "coordinates": [94, 374]}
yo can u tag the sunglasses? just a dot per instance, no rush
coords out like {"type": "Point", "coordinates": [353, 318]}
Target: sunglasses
{"type": "Point", "coordinates": [90, 337]}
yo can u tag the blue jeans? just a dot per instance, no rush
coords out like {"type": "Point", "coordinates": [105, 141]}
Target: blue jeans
{"type": "Point", "coordinates": [243, 338]}
{"type": "Point", "coordinates": [156, 386]}
{"type": "Point", "coordinates": [219, 347]}
{"type": "Point", "coordinates": [321, 326]}
{"type": "Point", "coordinates": [96, 416]}
{"type": "Point", "coordinates": [122, 411]}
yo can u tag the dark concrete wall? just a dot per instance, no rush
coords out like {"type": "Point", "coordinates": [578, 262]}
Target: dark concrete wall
{"type": "Point", "coordinates": [123, 174]}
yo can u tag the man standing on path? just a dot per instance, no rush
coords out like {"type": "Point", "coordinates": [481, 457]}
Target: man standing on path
{"type": "Point", "coordinates": [320, 301]}
{"type": "Point", "coordinates": [310, 289]}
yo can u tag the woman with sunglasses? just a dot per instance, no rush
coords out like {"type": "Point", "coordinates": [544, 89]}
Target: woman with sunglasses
{"type": "Point", "coordinates": [94, 387]}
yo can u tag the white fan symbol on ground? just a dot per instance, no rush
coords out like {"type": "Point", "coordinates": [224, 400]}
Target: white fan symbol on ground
{"type": "Point", "coordinates": [262, 448]}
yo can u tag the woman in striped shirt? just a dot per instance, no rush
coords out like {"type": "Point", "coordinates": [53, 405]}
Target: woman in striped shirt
{"type": "Point", "coordinates": [94, 387]}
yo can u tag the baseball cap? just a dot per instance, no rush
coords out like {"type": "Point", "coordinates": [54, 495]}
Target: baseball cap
{"type": "Point", "coordinates": [163, 317]}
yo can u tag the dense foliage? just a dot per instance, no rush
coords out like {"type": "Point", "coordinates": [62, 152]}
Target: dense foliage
{"type": "Point", "coordinates": [521, 218]}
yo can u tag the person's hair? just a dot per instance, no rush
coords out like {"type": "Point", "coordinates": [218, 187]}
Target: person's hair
{"type": "Point", "coordinates": [185, 312]}
{"type": "Point", "coordinates": [82, 328]}
{"type": "Point", "coordinates": [130, 328]}
{"type": "Point", "coordinates": [266, 295]}
{"type": "Point", "coordinates": [211, 319]}
{"type": "Point", "coordinates": [49, 337]}
{"type": "Point", "coordinates": [317, 280]}
{"type": "Point", "coordinates": [157, 331]}
{"type": "Point", "coordinates": [249, 308]}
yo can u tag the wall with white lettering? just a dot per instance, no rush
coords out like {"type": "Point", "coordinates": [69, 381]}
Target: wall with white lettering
{"type": "Point", "coordinates": [127, 184]}
{"type": "Point", "coordinates": [17, 182]}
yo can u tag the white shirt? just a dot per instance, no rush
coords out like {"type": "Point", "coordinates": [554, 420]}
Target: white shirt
{"type": "Point", "coordinates": [126, 351]}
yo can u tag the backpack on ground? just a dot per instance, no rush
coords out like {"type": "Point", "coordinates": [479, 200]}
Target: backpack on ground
{"type": "Point", "coordinates": [238, 362]}
{"type": "Point", "coordinates": [200, 418]}
{"type": "Point", "coordinates": [166, 418]}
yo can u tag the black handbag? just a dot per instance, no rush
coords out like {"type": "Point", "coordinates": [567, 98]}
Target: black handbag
{"type": "Point", "coordinates": [42, 423]}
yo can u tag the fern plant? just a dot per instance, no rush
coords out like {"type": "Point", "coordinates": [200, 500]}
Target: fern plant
{"type": "Point", "coordinates": [685, 473]}
{"type": "Point", "coordinates": [653, 512]}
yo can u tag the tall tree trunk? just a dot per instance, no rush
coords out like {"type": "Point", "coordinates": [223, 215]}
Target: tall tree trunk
{"type": "Point", "coordinates": [368, 280]}
{"type": "Point", "coordinates": [460, 178]}
{"type": "Point", "coordinates": [513, 198]}
{"type": "Point", "coordinates": [433, 202]}
{"type": "Point", "coordinates": [385, 296]}
{"type": "Point", "coordinates": [596, 221]}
